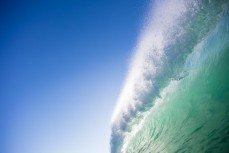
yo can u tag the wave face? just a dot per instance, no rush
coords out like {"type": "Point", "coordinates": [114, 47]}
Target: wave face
{"type": "Point", "coordinates": [176, 95]}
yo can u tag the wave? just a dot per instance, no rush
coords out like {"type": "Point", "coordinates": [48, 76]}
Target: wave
{"type": "Point", "coordinates": [163, 56]}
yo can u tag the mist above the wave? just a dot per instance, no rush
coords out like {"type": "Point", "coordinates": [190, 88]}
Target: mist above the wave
{"type": "Point", "coordinates": [148, 55]}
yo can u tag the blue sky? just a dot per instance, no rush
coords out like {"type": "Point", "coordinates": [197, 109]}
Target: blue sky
{"type": "Point", "coordinates": [62, 67]}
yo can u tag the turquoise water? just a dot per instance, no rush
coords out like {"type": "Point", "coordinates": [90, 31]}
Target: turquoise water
{"type": "Point", "coordinates": [188, 110]}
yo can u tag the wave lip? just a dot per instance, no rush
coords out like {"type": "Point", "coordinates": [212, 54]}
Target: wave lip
{"type": "Point", "coordinates": [173, 29]}
{"type": "Point", "coordinates": [147, 61]}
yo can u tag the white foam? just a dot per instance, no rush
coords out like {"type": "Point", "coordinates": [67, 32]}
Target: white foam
{"type": "Point", "coordinates": [149, 54]}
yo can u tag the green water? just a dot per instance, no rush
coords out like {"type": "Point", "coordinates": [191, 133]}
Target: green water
{"type": "Point", "coordinates": [186, 110]}
{"type": "Point", "coordinates": [193, 116]}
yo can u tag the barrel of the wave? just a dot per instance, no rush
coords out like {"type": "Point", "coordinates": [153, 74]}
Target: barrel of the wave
{"type": "Point", "coordinates": [190, 111]}
{"type": "Point", "coordinates": [194, 113]}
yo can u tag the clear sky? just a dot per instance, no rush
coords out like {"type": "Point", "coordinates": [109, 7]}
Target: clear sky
{"type": "Point", "coordinates": [62, 65]}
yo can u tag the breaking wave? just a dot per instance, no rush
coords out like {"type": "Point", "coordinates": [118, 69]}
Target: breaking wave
{"type": "Point", "coordinates": [177, 90]}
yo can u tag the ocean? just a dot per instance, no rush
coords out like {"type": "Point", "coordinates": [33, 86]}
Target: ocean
{"type": "Point", "coordinates": [176, 95]}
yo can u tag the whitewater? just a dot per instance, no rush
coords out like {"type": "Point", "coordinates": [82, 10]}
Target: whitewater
{"type": "Point", "coordinates": [176, 94]}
